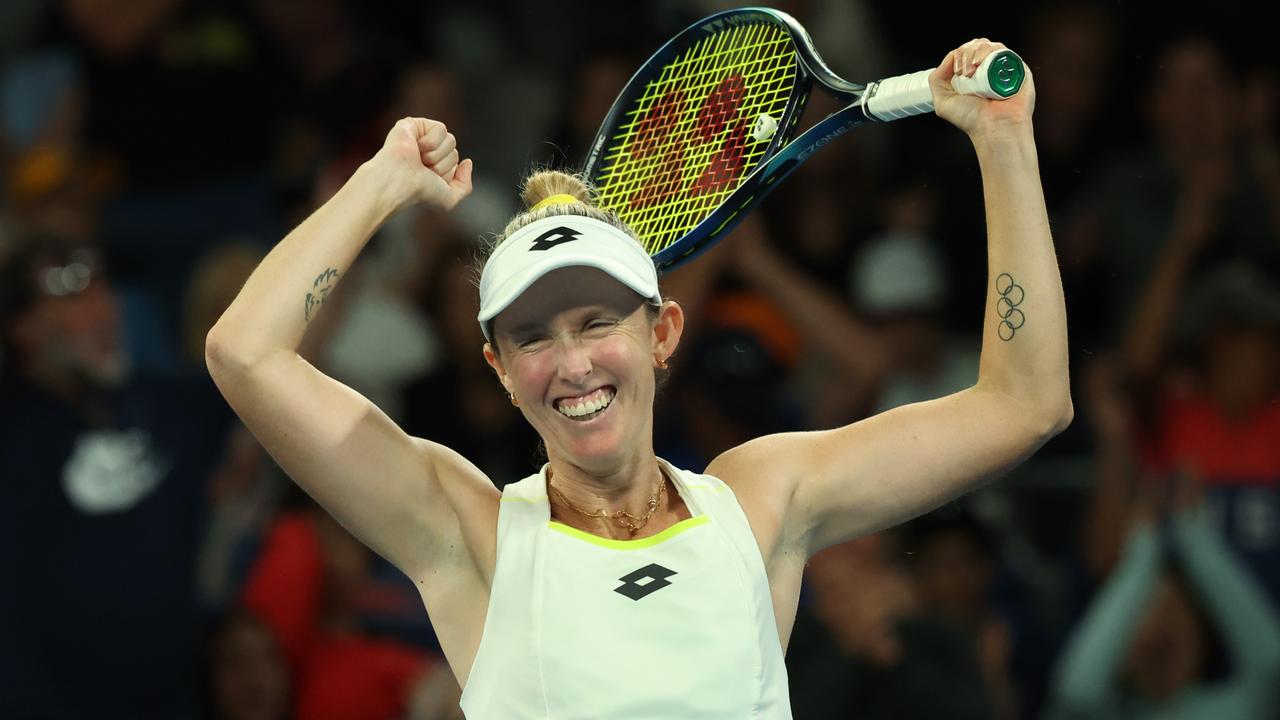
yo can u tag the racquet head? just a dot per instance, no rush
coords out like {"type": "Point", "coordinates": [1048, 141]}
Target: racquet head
{"type": "Point", "coordinates": [704, 129]}
{"type": "Point", "coordinates": [694, 122]}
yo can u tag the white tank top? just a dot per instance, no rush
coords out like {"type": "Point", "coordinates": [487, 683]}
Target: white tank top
{"type": "Point", "coordinates": [677, 625]}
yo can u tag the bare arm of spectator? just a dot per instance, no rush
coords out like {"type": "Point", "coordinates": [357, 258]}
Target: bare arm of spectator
{"type": "Point", "coordinates": [1148, 328]}
{"type": "Point", "coordinates": [1258, 115]}
{"type": "Point", "coordinates": [823, 319]}
{"type": "Point", "coordinates": [400, 495]}
{"type": "Point", "coordinates": [1084, 682]}
{"type": "Point", "coordinates": [1234, 601]}
{"type": "Point", "coordinates": [1111, 420]}
{"type": "Point", "coordinates": [693, 284]}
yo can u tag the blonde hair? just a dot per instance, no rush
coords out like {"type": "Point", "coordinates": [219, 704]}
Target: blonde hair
{"type": "Point", "coordinates": [543, 184]}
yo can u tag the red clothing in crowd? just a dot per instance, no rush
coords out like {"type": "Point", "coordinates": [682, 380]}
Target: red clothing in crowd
{"type": "Point", "coordinates": [1195, 433]}
{"type": "Point", "coordinates": [341, 675]}
{"type": "Point", "coordinates": [1239, 462]}
{"type": "Point", "coordinates": [350, 677]}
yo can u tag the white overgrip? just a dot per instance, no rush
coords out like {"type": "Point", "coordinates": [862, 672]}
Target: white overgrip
{"type": "Point", "coordinates": [906, 95]}
{"type": "Point", "coordinates": [900, 96]}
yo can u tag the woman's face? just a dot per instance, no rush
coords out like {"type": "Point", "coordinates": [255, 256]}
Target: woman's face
{"type": "Point", "coordinates": [577, 350]}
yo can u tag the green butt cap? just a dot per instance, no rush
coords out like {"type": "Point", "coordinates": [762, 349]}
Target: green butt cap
{"type": "Point", "coordinates": [1006, 73]}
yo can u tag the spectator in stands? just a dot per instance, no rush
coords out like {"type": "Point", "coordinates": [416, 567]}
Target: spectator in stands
{"type": "Point", "coordinates": [874, 640]}
{"type": "Point", "coordinates": [959, 639]}
{"type": "Point", "coordinates": [1143, 647]}
{"type": "Point", "coordinates": [1203, 390]}
{"type": "Point", "coordinates": [308, 586]}
{"type": "Point", "coordinates": [846, 642]}
{"type": "Point", "coordinates": [900, 285]}
{"type": "Point", "coordinates": [1072, 48]}
{"type": "Point", "coordinates": [102, 501]}
{"type": "Point", "coordinates": [248, 678]}
{"type": "Point", "coordinates": [483, 426]}
{"type": "Point", "coordinates": [824, 343]}
{"type": "Point", "coordinates": [1201, 184]}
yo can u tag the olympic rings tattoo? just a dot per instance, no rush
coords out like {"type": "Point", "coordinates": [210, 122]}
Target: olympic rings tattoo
{"type": "Point", "coordinates": [1011, 318]}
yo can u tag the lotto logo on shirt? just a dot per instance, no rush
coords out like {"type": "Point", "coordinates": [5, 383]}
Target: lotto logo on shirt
{"type": "Point", "coordinates": [644, 582]}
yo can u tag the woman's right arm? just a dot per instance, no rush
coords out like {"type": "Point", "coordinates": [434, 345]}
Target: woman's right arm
{"type": "Point", "coordinates": [400, 495]}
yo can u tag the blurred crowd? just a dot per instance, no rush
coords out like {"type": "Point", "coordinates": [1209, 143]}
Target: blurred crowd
{"type": "Point", "coordinates": [157, 564]}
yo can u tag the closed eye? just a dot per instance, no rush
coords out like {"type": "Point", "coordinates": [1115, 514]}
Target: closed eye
{"type": "Point", "coordinates": [600, 324]}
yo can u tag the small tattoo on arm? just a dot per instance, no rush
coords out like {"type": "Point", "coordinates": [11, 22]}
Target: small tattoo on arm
{"type": "Point", "coordinates": [324, 283]}
{"type": "Point", "coordinates": [1011, 296]}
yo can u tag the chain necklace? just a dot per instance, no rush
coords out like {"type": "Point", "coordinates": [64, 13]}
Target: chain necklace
{"type": "Point", "coordinates": [621, 517]}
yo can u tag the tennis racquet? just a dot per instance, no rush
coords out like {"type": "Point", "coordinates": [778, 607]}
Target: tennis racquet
{"type": "Point", "coordinates": [703, 131]}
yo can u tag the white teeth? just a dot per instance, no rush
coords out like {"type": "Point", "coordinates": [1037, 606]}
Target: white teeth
{"type": "Point", "coordinates": [598, 402]}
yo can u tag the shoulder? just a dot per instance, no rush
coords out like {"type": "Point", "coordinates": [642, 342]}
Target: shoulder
{"type": "Point", "coordinates": [696, 480]}
{"type": "Point", "coordinates": [762, 461]}
{"type": "Point", "coordinates": [458, 477]}
{"type": "Point", "coordinates": [762, 480]}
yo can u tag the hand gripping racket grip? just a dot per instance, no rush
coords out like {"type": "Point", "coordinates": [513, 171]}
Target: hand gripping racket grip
{"type": "Point", "coordinates": [998, 77]}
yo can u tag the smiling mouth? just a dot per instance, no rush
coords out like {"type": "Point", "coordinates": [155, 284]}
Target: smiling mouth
{"type": "Point", "coordinates": [588, 406]}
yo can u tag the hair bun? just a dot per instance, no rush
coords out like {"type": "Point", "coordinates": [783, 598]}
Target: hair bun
{"type": "Point", "coordinates": [545, 183]}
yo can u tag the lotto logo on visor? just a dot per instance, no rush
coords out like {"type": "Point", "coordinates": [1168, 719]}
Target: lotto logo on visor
{"type": "Point", "coordinates": [577, 241]}
{"type": "Point", "coordinates": [554, 237]}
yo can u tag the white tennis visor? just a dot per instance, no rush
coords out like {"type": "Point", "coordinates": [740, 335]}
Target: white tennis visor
{"type": "Point", "coordinates": [556, 242]}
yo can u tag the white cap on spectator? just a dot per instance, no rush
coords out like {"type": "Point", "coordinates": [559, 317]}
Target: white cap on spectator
{"type": "Point", "coordinates": [898, 272]}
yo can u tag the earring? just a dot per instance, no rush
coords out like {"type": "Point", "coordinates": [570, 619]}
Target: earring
{"type": "Point", "coordinates": [662, 364]}
{"type": "Point", "coordinates": [513, 400]}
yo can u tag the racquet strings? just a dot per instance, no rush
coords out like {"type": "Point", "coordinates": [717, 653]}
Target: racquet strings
{"type": "Point", "coordinates": [686, 141]}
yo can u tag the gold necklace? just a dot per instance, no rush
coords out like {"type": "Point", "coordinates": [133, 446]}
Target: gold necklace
{"type": "Point", "coordinates": [621, 517]}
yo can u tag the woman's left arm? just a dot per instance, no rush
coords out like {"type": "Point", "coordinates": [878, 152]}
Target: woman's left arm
{"type": "Point", "coordinates": [839, 484]}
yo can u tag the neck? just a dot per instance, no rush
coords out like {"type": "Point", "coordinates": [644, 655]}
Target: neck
{"type": "Point", "coordinates": [628, 486]}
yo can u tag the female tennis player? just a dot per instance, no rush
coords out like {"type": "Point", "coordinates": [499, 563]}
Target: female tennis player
{"type": "Point", "coordinates": [612, 584]}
